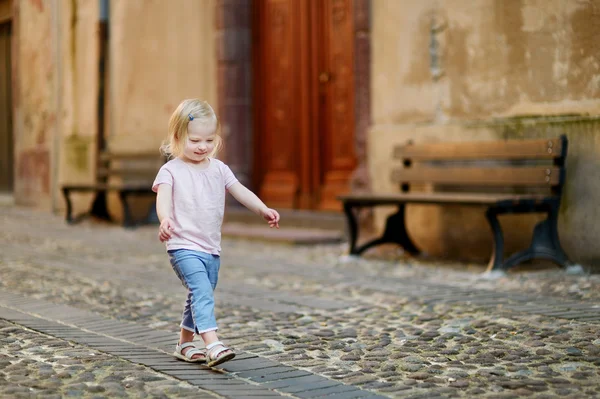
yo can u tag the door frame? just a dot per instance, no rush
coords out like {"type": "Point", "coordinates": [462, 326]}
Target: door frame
{"type": "Point", "coordinates": [233, 24]}
{"type": "Point", "coordinates": [6, 21]}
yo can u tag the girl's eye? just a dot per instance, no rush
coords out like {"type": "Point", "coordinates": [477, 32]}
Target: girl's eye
{"type": "Point", "coordinates": [210, 141]}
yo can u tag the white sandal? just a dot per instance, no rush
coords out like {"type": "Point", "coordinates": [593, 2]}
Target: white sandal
{"type": "Point", "coordinates": [215, 355]}
{"type": "Point", "coordinates": [188, 355]}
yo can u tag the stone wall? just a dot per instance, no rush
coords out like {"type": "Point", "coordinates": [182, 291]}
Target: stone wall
{"type": "Point", "coordinates": [463, 70]}
{"type": "Point", "coordinates": [233, 41]}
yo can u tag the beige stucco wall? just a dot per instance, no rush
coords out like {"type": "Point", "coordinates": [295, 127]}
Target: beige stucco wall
{"type": "Point", "coordinates": [161, 53]}
{"type": "Point", "coordinates": [491, 58]}
{"type": "Point", "coordinates": [462, 70]}
{"type": "Point", "coordinates": [77, 60]}
{"type": "Point", "coordinates": [56, 92]}
{"type": "Point", "coordinates": [35, 102]}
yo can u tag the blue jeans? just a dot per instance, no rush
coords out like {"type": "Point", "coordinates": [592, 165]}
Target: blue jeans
{"type": "Point", "coordinates": [199, 273]}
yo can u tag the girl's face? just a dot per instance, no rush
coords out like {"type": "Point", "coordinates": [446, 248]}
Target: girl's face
{"type": "Point", "coordinates": [200, 141]}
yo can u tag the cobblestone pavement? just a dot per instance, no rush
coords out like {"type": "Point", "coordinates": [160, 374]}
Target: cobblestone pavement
{"type": "Point", "coordinates": [38, 365]}
{"type": "Point", "coordinates": [390, 325]}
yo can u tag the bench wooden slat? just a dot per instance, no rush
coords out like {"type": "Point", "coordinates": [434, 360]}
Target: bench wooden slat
{"type": "Point", "coordinates": [501, 176]}
{"type": "Point", "coordinates": [119, 156]}
{"type": "Point", "coordinates": [503, 149]}
{"type": "Point", "coordinates": [108, 187]}
{"type": "Point", "coordinates": [135, 170]}
{"type": "Point", "coordinates": [148, 173]}
{"type": "Point", "coordinates": [438, 198]}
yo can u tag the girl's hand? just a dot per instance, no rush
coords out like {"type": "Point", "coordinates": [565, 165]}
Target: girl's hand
{"type": "Point", "coordinates": [165, 231]}
{"type": "Point", "coordinates": [271, 216]}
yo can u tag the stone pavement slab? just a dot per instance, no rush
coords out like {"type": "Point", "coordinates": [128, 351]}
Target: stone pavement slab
{"type": "Point", "coordinates": [37, 365]}
{"type": "Point", "coordinates": [125, 341]}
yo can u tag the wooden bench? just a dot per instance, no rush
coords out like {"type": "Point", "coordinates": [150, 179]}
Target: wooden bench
{"type": "Point", "coordinates": [503, 177]}
{"type": "Point", "coordinates": [126, 174]}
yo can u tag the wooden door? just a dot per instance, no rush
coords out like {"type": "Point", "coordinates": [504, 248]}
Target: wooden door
{"type": "Point", "coordinates": [336, 97]}
{"type": "Point", "coordinates": [6, 130]}
{"type": "Point", "coordinates": [303, 101]}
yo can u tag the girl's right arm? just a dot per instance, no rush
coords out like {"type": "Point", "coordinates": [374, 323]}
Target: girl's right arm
{"type": "Point", "coordinates": [164, 206]}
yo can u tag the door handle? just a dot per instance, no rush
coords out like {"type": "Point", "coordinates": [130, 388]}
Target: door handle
{"type": "Point", "coordinates": [324, 77]}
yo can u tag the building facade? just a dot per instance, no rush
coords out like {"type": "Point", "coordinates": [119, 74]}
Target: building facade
{"type": "Point", "coordinates": [312, 95]}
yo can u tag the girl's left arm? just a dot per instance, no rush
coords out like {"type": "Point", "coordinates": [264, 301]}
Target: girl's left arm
{"type": "Point", "coordinates": [252, 202]}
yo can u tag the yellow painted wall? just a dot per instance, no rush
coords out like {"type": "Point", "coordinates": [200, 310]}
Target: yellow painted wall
{"type": "Point", "coordinates": [492, 58]}
{"type": "Point", "coordinates": [78, 24]}
{"type": "Point", "coordinates": [161, 53]}
{"type": "Point", "coordinates": [517, 57]}
{"type": "Point", "coordinates": [482, 70]}
{"type": "Point", "coordinates": [56, 98]}
{"type": "Point", "coordinates": [35, 102]}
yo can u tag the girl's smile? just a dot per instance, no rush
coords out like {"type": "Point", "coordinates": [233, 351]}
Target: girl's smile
{"type": "Point", "coordinates": [200, 141]}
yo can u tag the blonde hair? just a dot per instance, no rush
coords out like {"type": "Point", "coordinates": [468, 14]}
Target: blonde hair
{"type": "Point", "coordinates": [187, 111]}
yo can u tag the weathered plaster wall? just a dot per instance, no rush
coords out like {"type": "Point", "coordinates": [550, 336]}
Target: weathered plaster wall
{"type": "Point", "coordinates": [55, 85]}
{"type": "Point", "coordinates": [78, 24]}
{"type": "Point", "coordinates": [161, 52]}
{"type": "Point", "coordinates": [402, 89]}
{"type": "Point", "coordinates": [518, 57]}
{"type": "Point", "coordinates": [34, 101]}
{"type": "Point", "coordinates": [463, 70]}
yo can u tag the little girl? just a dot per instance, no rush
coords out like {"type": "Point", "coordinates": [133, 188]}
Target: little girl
{"type": "Point", "coordinates": [190, 205]}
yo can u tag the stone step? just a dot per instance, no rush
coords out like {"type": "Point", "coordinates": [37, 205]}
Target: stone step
{"type": "Point", "coordinates": [291, 235]}
{"type": "Point", "coordinates": [306, 219]}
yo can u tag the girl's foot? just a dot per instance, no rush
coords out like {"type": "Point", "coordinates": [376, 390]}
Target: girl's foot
{"type": "Point", "coordinates": [189, 353]}
{"type": "Point", "coordinates": [218, 353]}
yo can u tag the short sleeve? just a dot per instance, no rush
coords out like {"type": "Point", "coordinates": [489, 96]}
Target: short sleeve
{"type": "Point", "coordinates": [228, 176]}
{"type": "Point", "coordinates": [164, 176]}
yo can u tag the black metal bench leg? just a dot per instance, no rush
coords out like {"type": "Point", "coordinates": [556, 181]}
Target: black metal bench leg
{"type": "Point", "coordinates": [497, 258]}
{"type": "Point", "coordinates": [99, 207]}
{"type": "Point", "coordinates": [545, 244]}
{"type": "Point", "coordinates": [127, 216]}
{"type": "Point", "coordinates": [152, 215]}
{"type": "Point", "coordinates": [69, 211]}
{"type": "Point", "coordinates": [395, 232]}
{"type": "Point", "coordinates": [352, 227]}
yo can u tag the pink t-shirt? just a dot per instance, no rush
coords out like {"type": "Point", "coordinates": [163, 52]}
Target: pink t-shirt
{"type": "Point", "coordinates": [198, 203]}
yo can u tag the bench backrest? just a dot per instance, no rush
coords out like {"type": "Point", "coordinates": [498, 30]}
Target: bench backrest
{"type": "Point", "coordinates": [129, 167]}
{"type": "Point", "coordinates": [507, 163]}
